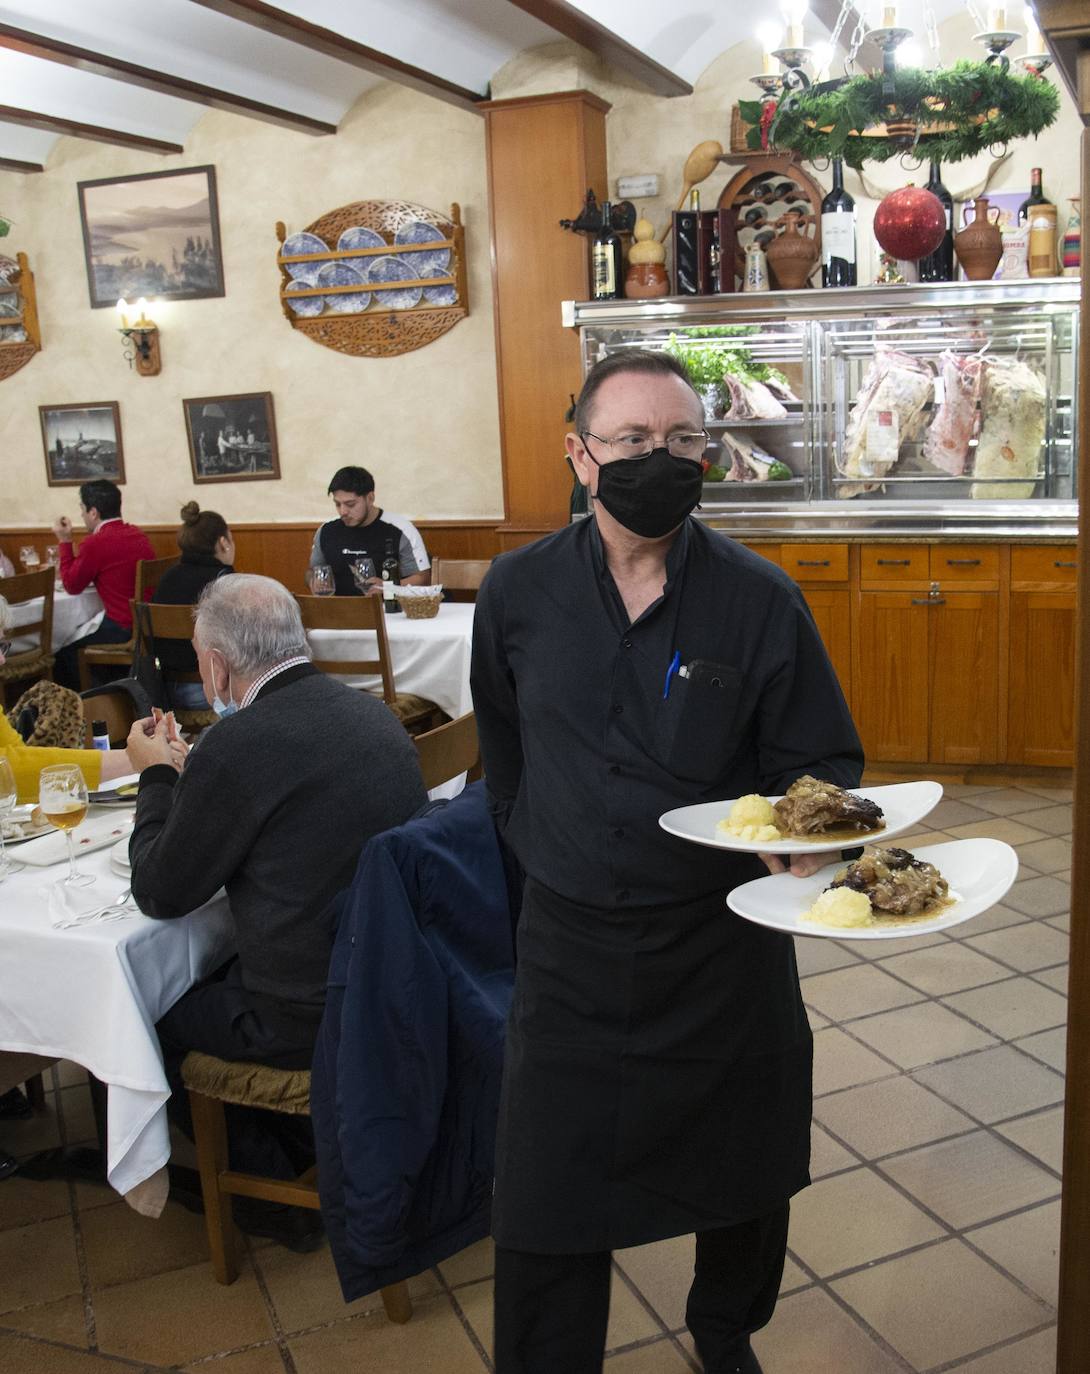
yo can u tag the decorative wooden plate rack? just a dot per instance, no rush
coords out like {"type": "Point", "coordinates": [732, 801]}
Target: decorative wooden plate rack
{"type": "Point", "coordinates": [14, 355]}
{"type": "Point", "coordinates": [749, 189]}
{"type": "Point", "coordinates": [375, 332]}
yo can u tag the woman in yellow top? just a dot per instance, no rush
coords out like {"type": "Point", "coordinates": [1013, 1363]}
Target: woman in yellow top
{"type": "Point", "coordinates": [27, 761]}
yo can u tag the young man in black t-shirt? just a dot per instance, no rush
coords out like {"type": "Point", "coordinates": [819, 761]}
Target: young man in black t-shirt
{"type": "Point", "coordinates": [362, 527]}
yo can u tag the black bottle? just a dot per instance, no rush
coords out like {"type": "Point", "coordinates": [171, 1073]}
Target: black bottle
{"type": "Point", "coordinates": [391, 577]}
{"type": "Point", "coordinates": [1036, 195]}
{"type": "Point", "coordinates": [607, 278]}
{"type": "Point", "coordinates": [939, 265]}
{"type": "Point", "coordinates": [838, 264]}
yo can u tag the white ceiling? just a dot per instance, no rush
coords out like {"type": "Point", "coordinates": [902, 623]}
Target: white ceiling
{"type": "Point", "coordinates": [463, 42]}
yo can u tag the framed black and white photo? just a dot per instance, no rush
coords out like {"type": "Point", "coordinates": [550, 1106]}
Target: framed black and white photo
{"type": "Point", "coordinates": [232, 438]}
{"type": "Point", "coordinates": [153, 235]}
{"type": "Point", "coordinates": [82, 442]}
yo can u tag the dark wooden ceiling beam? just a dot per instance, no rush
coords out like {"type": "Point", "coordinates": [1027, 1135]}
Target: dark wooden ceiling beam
{"type": "Point", "coordinates": [117, 69]}
{"type": "Point", "coordinates": [13, 164]}
{"type": "Point", "coordinates": [606, 44]}
{"type": "Point", "coordinates": [71, 128]}
{"type": "Point", "coordinates": [269, 19]}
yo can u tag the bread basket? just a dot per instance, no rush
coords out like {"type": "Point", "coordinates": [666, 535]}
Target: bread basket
{"type": "Point", "coordinates": [419, 603]}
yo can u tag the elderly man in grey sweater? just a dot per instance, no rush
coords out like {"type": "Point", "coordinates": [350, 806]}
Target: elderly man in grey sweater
{"type": "Point", "coordinates": [274, 805]}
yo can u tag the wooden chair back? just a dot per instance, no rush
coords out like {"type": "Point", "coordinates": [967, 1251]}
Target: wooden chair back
{"type": "Point", "coordinates": [115, 706]}
{"type": "Point", "coordinates": [171, 622]}
{"type": "Point", "coordinates": [351, 613]}
{"type": "Point", "coordinates": [459, 574]}
{"type": "Point", "coordinates": [28, 587]}
{"type": "Point", "coordinates": [450, 750]}
{"type": "Point", "coordinates": [149, 573]}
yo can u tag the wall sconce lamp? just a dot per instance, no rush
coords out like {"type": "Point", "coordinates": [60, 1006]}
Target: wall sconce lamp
{"type": "Point", "coordinates": [140, 340]}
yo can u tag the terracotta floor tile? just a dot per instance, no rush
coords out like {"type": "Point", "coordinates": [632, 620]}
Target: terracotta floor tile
{"type": "Point", "coordinates": [940, 1303]}
{"type": "Point", "coordinates": [827, 1156]}
{"type": "Point", "coordinates": [1048, 856]}
{"type": "Point", "coordinates": [259, 1359]}
{"type": "Point", "coordinates": [661, 1357]}
{"type": "Point", "coordinates": [1045, 896]}
{"type": "Point", "coordinates": [434, 1340]}
{"type": "Point", "coordinates": [888, 948]}
{"type": "Point", "coordinates": [1056, 820]}
{"type": "Point", "coordinates": [1016, 1007]}
{"type": "Point", "coordinates": [1054, 794]}
{"type": "Point", "coordinates": [817, 1021]}
{"type": "Point", "coordinates": [917, 839]}
{"type": "Point", "coordinates": [475, 1300]}
{"type": "Point", "coordinates": [920, 1034]}
{"type": "Point", "coordinates": [968, 789]}
{"type": "Point", "coordinates": [954, 811]}
{"type": "Point", "coordinates": [90, 1195]}
{"type": "Point", "coordinates": [306, 1292]}
{"type": "Point", "coordinates": [69, 1074]}
{"type": "Point", "coordinates": [970, 1179]}
{"type": "Point", "coordinates": [1027, 1246]}
{"type": "Point", "coordinates": [812, 1321]}
{"type": "Point", "coordinates": [22, 1356]}
{"type": "Point", "coordinates": [1050, 1046]}
{"type": "Point", "coordinates": [995, 918]}
{"type": "Point", "coordinates": [39, 1132]}
{"type": "Point", "coordinates": [895, 1114]}
{"type": "Point", "coordinates": [37, 1263]}
{"type": "Point", "coordinates": [854, 1219]}
{"type": "Point", "coordinates": [121, 1245]}
{"type": "Point", "coordinates": [1055, 978]}
{"type": "Point", "coordinates": [79, 1116]}
{"type": "Point", "coordinates": [1008, 801]}
{"type": "Point", "coordinates": [1042, 1135]}
{"type": "Point", "coordinates": [945, 968]}
{"type": "Point", "coordinates": [817, 954]}
{"type": "Point", "coordinates": [475, 1262]}
{"type": "Point", "coordinates": [841, 1062]}
{"type": "Point", "coordinates": [64, 1321]}
{"type": "Point", "coordinates": [794, 1277]}
{"type": "Point", "coordinates": [1032, 1355]}
{"type": "Point", "coordinates": [663, 1273]}
{"type": "Point", "coordinates": [25, 1201]}
{"type": "Point", "coordinates": [1009, 831]}
{"type": "Point", "coordinates": [1027, 947]}
{"type": "Point", "coordinates": [1060, 922]}
{"type": "Point", "coordinates": [994, 1084]}
{"type": "Point", "coordinates": [178, 1316]}
{"type": "Point", "coordinates": [855, 991]}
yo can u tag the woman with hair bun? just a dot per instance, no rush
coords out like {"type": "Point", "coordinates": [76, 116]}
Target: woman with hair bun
{"type": "Point", "coordinates": [208, 552]}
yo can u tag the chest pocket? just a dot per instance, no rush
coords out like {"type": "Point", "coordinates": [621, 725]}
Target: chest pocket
{"type": "Point", "coordinates": [701, 721]}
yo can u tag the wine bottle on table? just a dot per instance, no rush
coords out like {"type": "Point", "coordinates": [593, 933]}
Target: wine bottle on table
{"type": "Point", "coordinates": [391, 577]}
{"type": "Point", "coordinates": [838, 266]}
{"type": "Point", "coordinates": [1036, 196]}
{"type": "Point", "coordinates": [939, 265]}
{"type": "Point", "coordinates": [606, 259]}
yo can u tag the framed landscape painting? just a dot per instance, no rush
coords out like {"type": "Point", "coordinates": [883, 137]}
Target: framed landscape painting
{"type": "Point", "coordinates": [154, 235]}
{"type": "Point", "coordinates": [82, 442]}
{"type": "Point", "coordinates": [232, 438]}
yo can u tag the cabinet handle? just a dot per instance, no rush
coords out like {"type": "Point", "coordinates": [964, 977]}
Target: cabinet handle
{"type": "Point", "coordinates": [963, 562]}
{"type": "Point", "coordinates": [1058, 564]}
{"type": "Point", "coordinates": [929, 601]}
{"type": "Point", "coordinates": [813, 562]}
{"type": "Point", "coordinates": [894, 562]}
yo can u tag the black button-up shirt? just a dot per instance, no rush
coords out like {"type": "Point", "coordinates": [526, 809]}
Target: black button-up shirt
{"type": "Point", "coordinates": [585, 745]}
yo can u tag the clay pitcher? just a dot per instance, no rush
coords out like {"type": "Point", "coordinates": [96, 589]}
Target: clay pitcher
{"type": "Point", "coordinates": [979, 245]}
{"type": "Point", "coordinates": [791, 256]}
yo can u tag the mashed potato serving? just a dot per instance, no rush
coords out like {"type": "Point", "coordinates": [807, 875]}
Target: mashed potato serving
{"type": "Point", "coordinates": [752, 819]}
{"type": "Point", "coordinates": [842, 907]}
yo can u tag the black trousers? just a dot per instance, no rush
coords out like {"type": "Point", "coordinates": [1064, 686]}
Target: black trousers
{"type": "Point", "coordinates": [66, 660]}
{"type": "Point", "coordinates": [551, 1311]}
{"type": "Point", "coordinates": [219, 1016]}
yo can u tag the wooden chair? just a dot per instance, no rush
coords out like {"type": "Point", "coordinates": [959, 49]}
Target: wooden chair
{"type": "Point", "coordinates": [459, 575]}
{"type": "Point", "coordinates": [148, 573]}
{"type": "Point", "coordinates": [176, 622]}
{"type": "Point", "coordinates": [36, 662]}
{"type": "Point", "coordinates": [449, 751]}
{"type": "Point", "coordinates": [211, 1082]}
{"type": "Point", "coordinates": [366, 613]}
{"type": "Point", "coordinates": [119, 704]}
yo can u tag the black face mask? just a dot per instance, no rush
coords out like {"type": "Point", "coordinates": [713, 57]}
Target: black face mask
{"type": "Point", "coordinates": [651, 495]}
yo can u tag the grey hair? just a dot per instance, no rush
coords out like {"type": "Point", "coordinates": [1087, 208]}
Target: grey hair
{"type": "Point", "coordinates": [5, 616]}
{"type": "Point", "coordinates": [254, 622]}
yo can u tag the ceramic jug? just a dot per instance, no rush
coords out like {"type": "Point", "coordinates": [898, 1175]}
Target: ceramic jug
{"type": "Point", "coordinates": [979, 245]}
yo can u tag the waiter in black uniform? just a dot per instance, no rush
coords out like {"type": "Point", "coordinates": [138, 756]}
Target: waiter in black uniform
{"type": "Point", "coordinates": [658, 1068]}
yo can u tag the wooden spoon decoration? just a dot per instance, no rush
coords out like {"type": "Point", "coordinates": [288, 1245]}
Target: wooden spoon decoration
{"type": "Point", "coordinates": [699, 165]}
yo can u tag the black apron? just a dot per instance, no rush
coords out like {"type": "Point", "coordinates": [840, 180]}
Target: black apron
{"type": "Point", "coordinates": [657, 1078]}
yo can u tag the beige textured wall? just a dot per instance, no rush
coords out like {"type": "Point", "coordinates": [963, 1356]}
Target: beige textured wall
{"type": "Point", "coordinates": [426, 423]}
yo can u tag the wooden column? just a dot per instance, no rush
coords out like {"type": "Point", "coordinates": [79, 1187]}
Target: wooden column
{"type": "Point", "coordinates": [543, 153]}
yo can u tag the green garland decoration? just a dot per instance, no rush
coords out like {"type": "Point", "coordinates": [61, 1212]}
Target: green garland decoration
{"type": "Point", "coordinates": [823, 124]}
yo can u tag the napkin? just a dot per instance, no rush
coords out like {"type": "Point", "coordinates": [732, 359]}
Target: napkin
{"type": "Point", "coordinates": [82, 906]}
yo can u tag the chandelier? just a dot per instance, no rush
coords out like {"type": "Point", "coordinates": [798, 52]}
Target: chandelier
{"type": "Point", "coordinates": [933, 113]}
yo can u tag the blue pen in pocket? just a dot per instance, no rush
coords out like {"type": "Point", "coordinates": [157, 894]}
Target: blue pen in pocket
{"type": "Point", "coordinates": [675, 664]}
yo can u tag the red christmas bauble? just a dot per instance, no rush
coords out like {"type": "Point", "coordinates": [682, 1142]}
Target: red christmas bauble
{"type": "Point", "coordinates": [910, 223]}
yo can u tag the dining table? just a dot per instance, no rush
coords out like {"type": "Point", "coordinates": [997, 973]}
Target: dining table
{"type": "Point", "coordinates": [73, 617]}
{"type": "Point", "coordinates": [92, 993]}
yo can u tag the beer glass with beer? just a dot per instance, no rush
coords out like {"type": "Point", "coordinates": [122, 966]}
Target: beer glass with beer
{"type": "Point", "coordinates": [62, 795]}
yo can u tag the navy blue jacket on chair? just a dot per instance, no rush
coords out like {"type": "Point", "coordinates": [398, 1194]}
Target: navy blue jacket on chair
{"type": "Point", "coordinates": [406, 1076]}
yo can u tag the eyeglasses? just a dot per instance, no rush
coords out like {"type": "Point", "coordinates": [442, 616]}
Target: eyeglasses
{"type": "Point", "coordinates": [639, 445]}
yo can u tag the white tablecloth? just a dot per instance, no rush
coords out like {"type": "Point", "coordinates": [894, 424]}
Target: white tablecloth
{"type": "Point", "coordinates": [73, 617]}
{"type": "Point", "coordinates": [430, 657]}
{"type": "Point", "coordinates": [93, 994]}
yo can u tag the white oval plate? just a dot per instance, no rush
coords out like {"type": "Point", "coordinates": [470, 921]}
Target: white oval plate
{"type": "Point", "coordinates": [980, 873]}
{"type": "Point", "coordinates": [119, 857]}
{"type": "Point", "coordinates": [904, 804]}
{"type": "Point", "coordinates": [96, 832]}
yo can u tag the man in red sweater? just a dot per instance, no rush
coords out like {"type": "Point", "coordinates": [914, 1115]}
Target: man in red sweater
{"type": "Point", "coordinates": [107, 558]}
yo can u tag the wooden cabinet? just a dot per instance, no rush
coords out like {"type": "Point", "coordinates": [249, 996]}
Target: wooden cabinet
{"type": "Point", "coordinates": [831, 608]}
{"type": "Point", "coordinates": [1041, 707]}
{"type": "Point", "coordinates": [964, 672]}
{"type": "Point", "coordinates": [891, 673]}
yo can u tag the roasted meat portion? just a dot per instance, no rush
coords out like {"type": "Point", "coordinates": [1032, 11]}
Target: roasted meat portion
{"type": "Point", "coordinates": [897, 883]}
{"type": "Point", "coordinates": [810, 807]}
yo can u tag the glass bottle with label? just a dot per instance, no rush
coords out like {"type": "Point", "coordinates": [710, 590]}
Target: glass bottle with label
{"type": "Point", "coordinates": [391, 577]}
{"type": "Point", "coordinates": [838, 262]}
{"type": "Point", "coordinates": [1036, 195]}
{"type": "Point", "coordinates": [606, 260]}
{"type": "Point", "coordinates": [939, 265]}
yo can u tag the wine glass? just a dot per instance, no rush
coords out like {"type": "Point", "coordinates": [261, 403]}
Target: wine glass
{"type": "Point", "coordinates": [62, 795]}
{"type": "Point", "coordinates": [7, 805]}
{"type": "Point", "coordinates": [363, 569]}
{"type": "Point", "coordinates": [321, 580]}
{"type": "Point", "coordinates": [52, 555]}
{"type": "Point", "coordinates": [28, 556]}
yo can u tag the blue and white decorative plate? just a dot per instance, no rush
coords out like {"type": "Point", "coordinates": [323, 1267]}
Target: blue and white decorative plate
{"type": "Point", "coordinates": [389, 269]}
{"type": "Point", "coordinates": [344, 274]}
{"type": "Point", "coordinates": [416, 231]}
{"type": "Point", "coordinates": [358, 236]}
{"type": "Point", "coordinates": [439, 295]}
{"type": "Point", "coordinates": [300, 243]}
{"type": "Point", "coordinates": [307, 306]}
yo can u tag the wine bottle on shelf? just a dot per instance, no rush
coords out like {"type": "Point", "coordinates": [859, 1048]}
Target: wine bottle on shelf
{"type": "Point", "coordinates": [606, 260]}
{"type": "Point", "coordinates": [1036, 195]}
{"type": "Point", "coordinates": [838, 265]}
{"type": "Point", "coordinates": [939, 265]}
{"type": "Point", "coordinates": [391, 576]}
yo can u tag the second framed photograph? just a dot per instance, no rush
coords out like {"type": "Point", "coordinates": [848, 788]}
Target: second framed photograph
{"type": "Point", "coordinates": [82, 442]}
{"type": "Point", "coordinates": [232, 438]}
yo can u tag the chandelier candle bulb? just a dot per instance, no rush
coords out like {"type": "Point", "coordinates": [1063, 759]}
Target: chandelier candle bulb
{"type": "Point", "coordinates": [1033, 33]}
{"type": "Point", "coordinates": [889, 17]}
{"type": "Point", "coordinates": [122, 314]}
{"type": "Point", "coordinates": [768, 35]}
